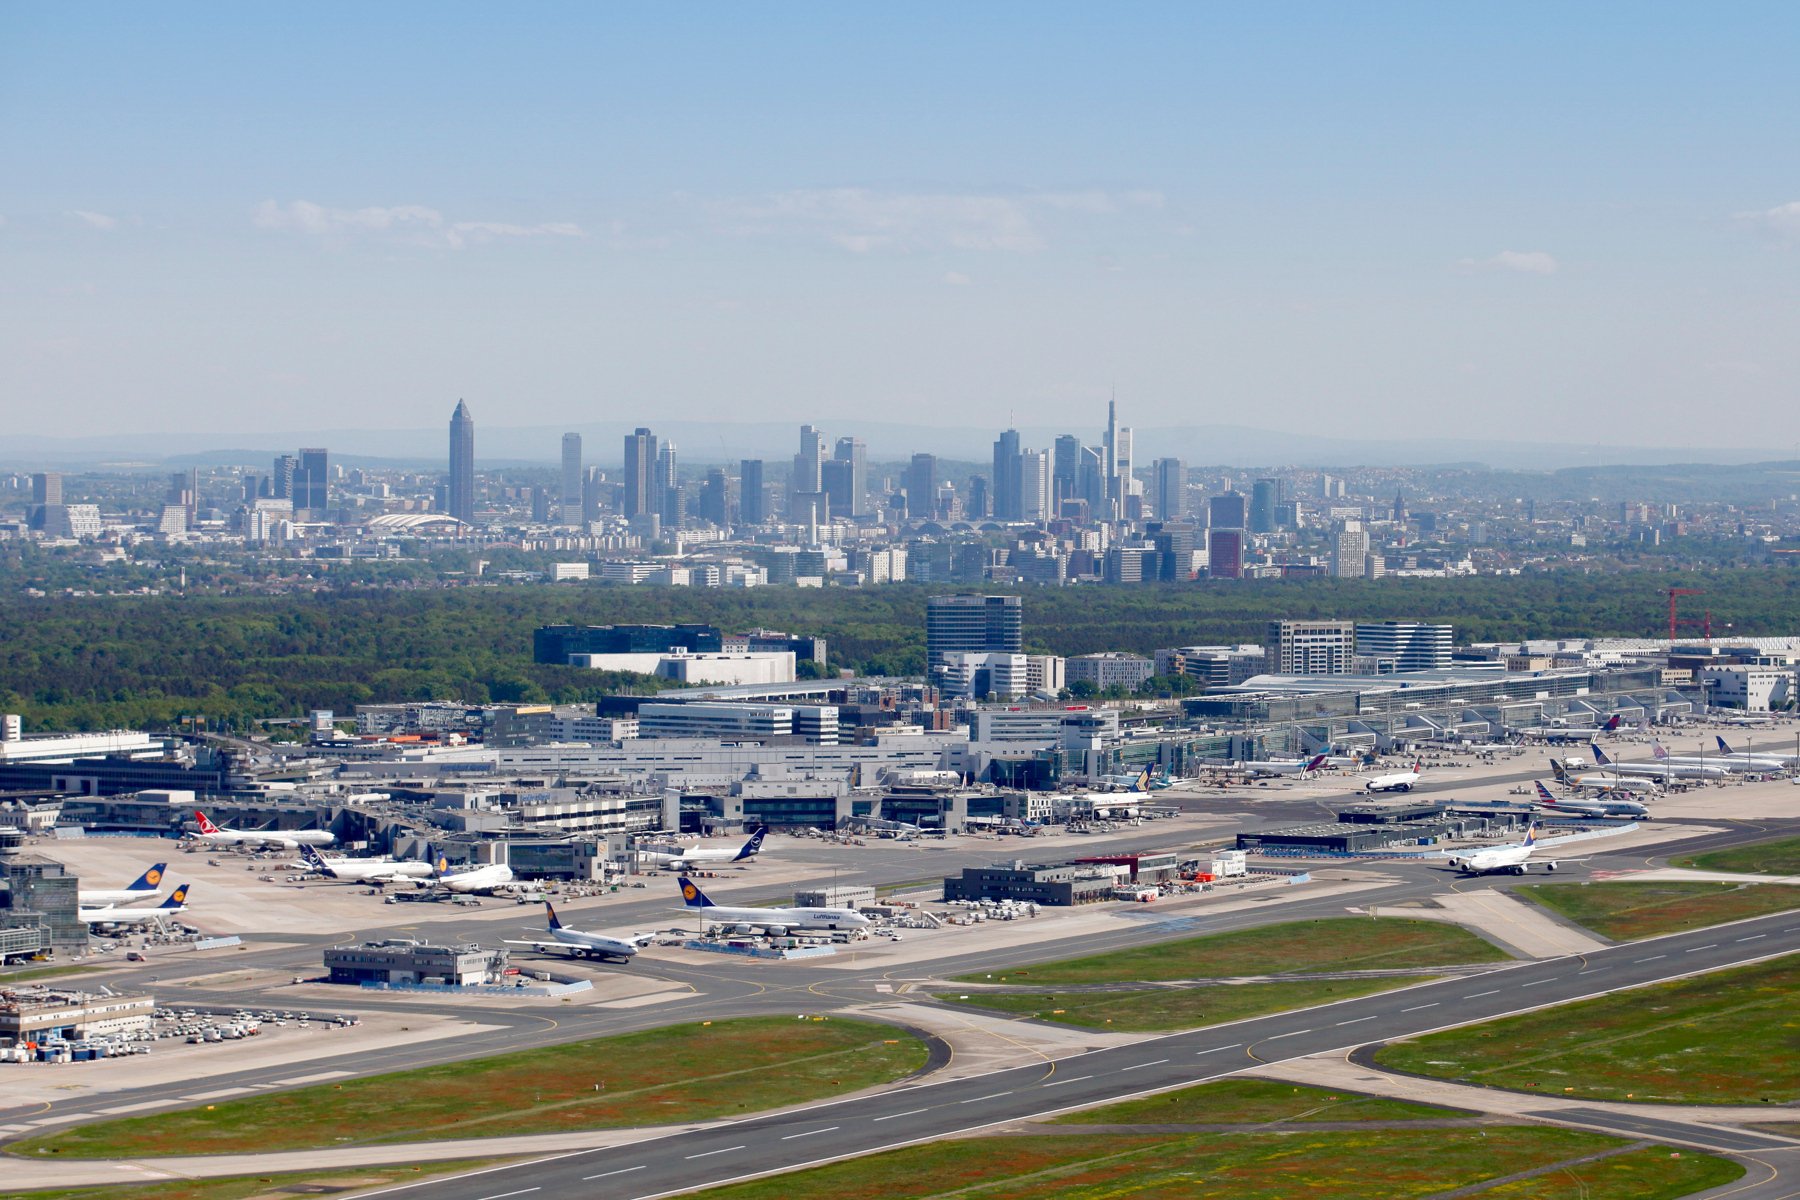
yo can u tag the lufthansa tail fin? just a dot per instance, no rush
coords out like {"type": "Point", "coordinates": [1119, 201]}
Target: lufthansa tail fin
{"type": "Point", "coordinates": [177, 898]}
{"type": "Point", "coordinates": [692, 896]}
{"type": "Point", "coordinates": [752, 847]}
{"type": "Point", "coordinates": [1530, 835]}
{"type": "Point", "coordinates": [150, 880]}
{"type": "Point", "coordinates": [550, 913]}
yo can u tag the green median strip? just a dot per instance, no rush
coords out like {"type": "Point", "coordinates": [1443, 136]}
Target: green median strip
{"type": "Point", "coordinates": [1256, 1102]}
{"type": "Point", "coordinates": [244, 1187]}
{"type": "Point", "coordinates": [1628, 910]}
{"type": "Point", "coordinates": [679, 1073]}
{"type": "Point", "coordinates": [1780, 856]}
{"type": "Point", "coordinates": [1175, 1008]}
{"type": "Point", "coordinates": [1725, 1037]}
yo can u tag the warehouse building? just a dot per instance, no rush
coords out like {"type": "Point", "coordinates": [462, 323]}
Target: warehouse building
{"type": "Point", "coordinates": [404, 961]}
{"type": "Point", "coordinates": [1061, 884]}
{"type": "Point", "coordinates": [43, 1014]}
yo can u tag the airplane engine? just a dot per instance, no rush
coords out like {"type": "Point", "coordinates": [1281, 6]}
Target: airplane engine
{"type": "Point", "coordinates": [1549, 866]}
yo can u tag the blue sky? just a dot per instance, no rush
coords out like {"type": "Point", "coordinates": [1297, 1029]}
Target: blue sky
{"type": "Point", "coordinates": [1529, 220]}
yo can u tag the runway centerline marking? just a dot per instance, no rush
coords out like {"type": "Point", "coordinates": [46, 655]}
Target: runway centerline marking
{"type": "Point", "coordinates": [1753, 937]}
{"type": "Point", "coordinates": [1417, 1007]}
{"type": "Point", "coordinates": [520, 1192]}
{"type": "Point", "coordinates": [909, 1113]}
{"type": "Point", "coordinates": [1289, 1033]}
{"type": "Point", "coordinates": [790, 1137]}
{"type": "Point", "coordinates": [1479, 995]}
{"type": "Point", "coordinates": [709, 1153]}
{"type": "Point", "coordinates": [1057, 1083]}
{"type": "Point", "coordinates": [979, 1099]}
{"type": "Point", "coordinates": [1216, 1049]}
{"type": "Point", "coordinates": [608, 1174]}
{"type": "Point", "coordinates": [1708, 946]}
{"type": "Point", "coordinates": [1358, 1021]}
{"type": "Point", "coordinates": [1652, 958]}
{"type": "Point", "coordinates": [1140, 1066]}
{"type": "Point", "coordinates": [1535, 982]}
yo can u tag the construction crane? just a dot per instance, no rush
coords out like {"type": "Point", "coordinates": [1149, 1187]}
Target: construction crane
{"type": "Point", "coordinates": [1676, 621]}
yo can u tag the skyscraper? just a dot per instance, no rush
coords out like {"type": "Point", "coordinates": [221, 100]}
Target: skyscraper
{"type": "Point", "coordinates": [1065, 470]}
{"type": "Point", "coordinates": [753, 501]}
{"type": "Point", "coordinates": [1006, 477]}
{"type": "Point", "coordinates": [1265, 494]}
{"type": "Point", "coordinates": [1169, 489]}
{"type": "Point", "coordinates": [1117, 462]}
{"type": "Point", "coordinates": [281, 477]}
{"type": "Point", "coordinates": [809, 462]}
{"type": "Point", "coordinates": [1227, 510]}
{"type": "Point", "coordinates": [921, 487]}
{"type": "Point", "coordinates": [571, 479]}
{"type": "Point", "coordinates": [715, 504]}
{"type": "Point", "coordinates": [462, 464]}
{"type": "Point", "coordinates": [312, 480]}
{"type": "Point", "coordinates": [640, 471]}
{"type": "Point", "coordinates": [977, 624]}
{"type": "Point", "coordinates": [666, 492]}
{"type": "Point", "coordinates": [46, 488]}
{"type": "Point", "coordinates": [1034, 485]}
{"type": "Point", "coordinates": [852, 452]}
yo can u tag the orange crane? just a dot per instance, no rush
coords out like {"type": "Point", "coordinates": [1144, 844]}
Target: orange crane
{"type": "Point", "coordinates": [1676, 621]}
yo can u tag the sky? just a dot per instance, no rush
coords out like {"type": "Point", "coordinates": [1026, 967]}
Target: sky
{"type": "Point", "coordinates": [1505, 220]}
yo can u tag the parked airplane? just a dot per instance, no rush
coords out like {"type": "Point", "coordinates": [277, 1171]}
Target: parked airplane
{"type": "Point", "coordinates": [364, 870]}
{"type": "Point", "coordinates": [579, 944]}
{"type": "Point", "coordinates": [1138, 782]}
{"type": "Point", "coordinates": [1760, 758]}
{"type": "Point", "coordinates": [290, 840]}
{"type": "Point", "coordinates": [776, 921]}
{"type": "Point", "coordinates": [1592, 808]}
{"type": "Point", "coordinates": [482, 877]}
{"type": "Point", "coordinates": [1398, 781]}
{"type": "Point", "coordinates": [141, 888]}
{"type": "Point", "coordinates": [701, 856]}
{"type": "Point", "coordinates": [1665, 768]}
{"type": "Point", "coordinates": [114, 915]}
{"type": "Point", "coordinates": [1604, 781]}
{"type": "Point", "coordinates": [1303, 766]}
{"type": "Point", "coordinates": [1161, 783]}
{"type": "Point", "coordinates": [1510, 859]}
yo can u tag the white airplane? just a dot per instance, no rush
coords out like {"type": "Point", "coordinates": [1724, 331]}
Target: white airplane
{"type": "Point", "coordinates": [1399, 781]}
{"type": "Point", "coordinates": [775, 921]}
{"type": "Point", "coordinates": [262, 837]}
{"type": "Point", "coordinates": [1759, 758]}
{"type": "Point", "coordinates": [364, 870]}
{"type": "Point", "coordinates": [1592, 808]}
{"type": "Point", "coordinates": [701, 856]}
{"type": "Point", "coordinates": [1510, 859]}
{"type": "Point", "coordinates": [1665, 768]}
{"type": "Point", "coordinates": [1303, 766]}
{"type": "Point", "coordinates": [113, 915]}
{"type": "Point", "coordinates": [579, 944]}
{"type": "Point", "coordinates": [141, 888]}
{"type": "Point", "coordinates": [483, 877]}
{"type": "Point", "coordinates": [1604, 781]}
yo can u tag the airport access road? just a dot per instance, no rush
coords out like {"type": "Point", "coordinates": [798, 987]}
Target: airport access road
{"type": "Point", "coordinates": [928, 1111]}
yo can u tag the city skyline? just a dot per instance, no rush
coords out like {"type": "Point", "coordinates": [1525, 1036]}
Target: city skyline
{"type": "Point", "coordinates": [1404, 220]}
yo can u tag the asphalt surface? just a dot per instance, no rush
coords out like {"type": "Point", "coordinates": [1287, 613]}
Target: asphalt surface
{"type": "Point", "coordinates": [927, 1111]}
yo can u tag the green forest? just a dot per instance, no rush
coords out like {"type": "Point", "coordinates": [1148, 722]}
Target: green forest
{"type": "Point", "coordinates": [149, 661]}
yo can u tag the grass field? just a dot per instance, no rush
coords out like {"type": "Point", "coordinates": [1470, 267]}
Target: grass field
{"type": "Point", "coordinates": [1318, 1165]}
{"type": "Point", "coordinates": [1727, 1037]}
{"type": "Point", "coordinates": [1627, 911]}
{"type": "Point", "coordinates": [1254, 1102]}
{"type": "Point", "coordinates": [680, 1073]}
{"type": "Point", "coordinates": [8, 978]}
{"type": "Point", "coordinates": [1341, 944]}
{"type": "Point", "coordinates": [243, 1186]}
{"type": "Point", "coordinates": [1176, 1008]}
{"type": "Point", "coordinates": [1778, 857]}
{"type": "Point", "coordinates": [1650, 1173]}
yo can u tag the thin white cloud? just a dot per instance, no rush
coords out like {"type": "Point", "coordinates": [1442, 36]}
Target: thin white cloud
{"type": "Point", "coordinates": [1526, 262]}
{"type": "Point", "coordinates": [956, 279]}
{"type": "Point", "coordinates": [95, 220]}
{"type": "Point", "coordinates": [863, 221]}
{"type": "Point", "coordinates": [412, 223]}
{"type": "Point", "coordinates": [1781, 222]}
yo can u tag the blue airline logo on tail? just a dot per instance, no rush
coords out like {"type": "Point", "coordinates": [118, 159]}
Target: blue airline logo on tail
{"type": "Point", "coordinates": [692, 896]}
{"type": "Point", "coordinates": [551, 913]}
{"type": "Point", "coordinates": [753, 846]}
{"type": "Point", "coordinates": [150, 880]}
{"type": "Point", "coordinates": [1530, 834]}
{"type": "Point", "coordinates": [1600, 755]}
{"type": "Point", "coordinates": [177, 898]}
{"type": "Point", "coordinates": [1723, 748]}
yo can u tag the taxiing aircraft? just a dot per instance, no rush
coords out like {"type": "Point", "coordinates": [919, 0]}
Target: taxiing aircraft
{"type": "Point", "coordinates": [114, 915]}
{"type": "Point", "coordinates": [579, 944]}
{"type": "Point", "coordinates": [703, 856]}
{"type": "Point", "coordinates": [775, 921]}
{"type": "Point", "coordinates": [1398, 781]}
{"type": "Point", "coordinates": [291, 840]}
{"type": "Point", "coordinates": [1508, 859]}
{"type": "Point", "coordinates": [1591, 808]}
{"type": "Point", "coordinates": [364, 870]}
{"type": "Point", "coordinates": [141, 888]}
